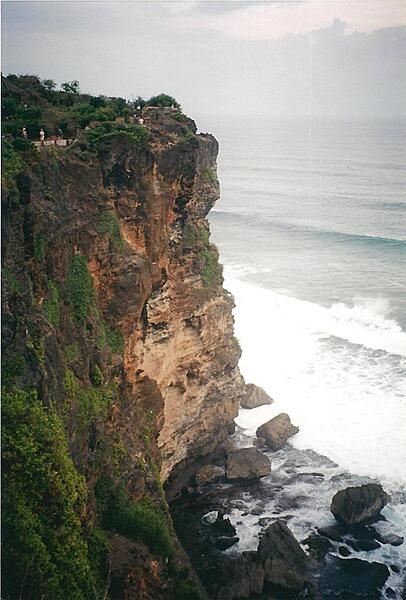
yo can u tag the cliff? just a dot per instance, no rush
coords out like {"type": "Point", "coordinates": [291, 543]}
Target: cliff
{"type": "Point", "coordinates": [119, 361]}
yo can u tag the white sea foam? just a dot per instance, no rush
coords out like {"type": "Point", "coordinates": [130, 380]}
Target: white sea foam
{"type": "Point", "coordinates": [340, 373]}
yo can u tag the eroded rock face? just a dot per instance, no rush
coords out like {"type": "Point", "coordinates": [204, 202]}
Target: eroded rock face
{"type": "Point", "coordinates": [277, 431]}
{"type": "Point", "coordinates": [359, 504]}
{"type": "Point", "coordinates": [209, 474]}
{"type": "Point", "coordinates": [254, 396]}
{"type": "Point", "coordinates": [247, 464]}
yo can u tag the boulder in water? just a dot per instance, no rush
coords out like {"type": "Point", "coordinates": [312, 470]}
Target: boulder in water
{"type": "Point", "coordinates": [352, 578]}
{"type": "Point", "coordinates": [247, 464]}
{"type": "Point", "coordinates": [254, 396]}
{"type": "Point", "coordinates": [275, 433]}
{"type": "Point", "coordinates": [359, 504]}
{"type": "Point", "coordinates": [390, 538]}
{"type": "Point", "coordinates": [286, 564]}
{"type": "Point", "coordinates": [318, 546]}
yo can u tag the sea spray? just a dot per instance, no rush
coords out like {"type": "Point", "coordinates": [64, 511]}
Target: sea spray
{"type": "Point", "coordinates": [338, 372]}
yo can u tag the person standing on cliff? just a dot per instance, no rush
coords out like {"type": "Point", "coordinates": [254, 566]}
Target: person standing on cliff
{"type": "Point", "coordinates": [42, 136]}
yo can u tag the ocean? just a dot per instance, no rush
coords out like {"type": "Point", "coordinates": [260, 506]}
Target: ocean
{"type": "Point", "coordinates": [311, 230]}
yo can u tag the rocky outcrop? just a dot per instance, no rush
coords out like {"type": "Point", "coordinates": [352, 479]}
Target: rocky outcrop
{"type": "Point", "coordinates": [247, 464]}
{"type": "Point", "coordinates": [209, 474]}
{"type": "Point", "coordinates": [360, 504]}
{"type": "Point", "coordinates": [353, 578]}
{"type": "Point", "coordinates": [286, 564]}
{"type": "Point", "coordinates": [254, 396]}
{"type": "Point", "coordinates": [276, 432]}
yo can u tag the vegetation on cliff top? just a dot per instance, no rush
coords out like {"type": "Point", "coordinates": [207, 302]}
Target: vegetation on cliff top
{"type": "Point", "coordinates": [40, 104]}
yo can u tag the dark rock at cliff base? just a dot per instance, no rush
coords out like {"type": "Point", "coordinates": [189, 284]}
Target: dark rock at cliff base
{"type": "Point", "coordinates": [254, 396]}
{"type": "Point", "coordinates": [358, 537]}
{"type": "Point", "coordinates": [275, 433]}
{"type": "Point", "coordinates": [351, 578]}
{"type": "Point", "coordinates": [390, 538]}
{"type": "Point", "coordinates": [286, 564]}
{"type": "Point", "coordinates": [247, 464]}
{"type": "Point", "coordinates": [237, 576]}
{"type": "Point", "coordinates": [318, 546]}
{"type": "Point", "coordinates": [363, 545]}
{"type": "Point", "coordinates": [220, 532]}
{"type": "Point", "coordinates": [360, 504]}
{"type": "Point", "coordinates": [209, 474]}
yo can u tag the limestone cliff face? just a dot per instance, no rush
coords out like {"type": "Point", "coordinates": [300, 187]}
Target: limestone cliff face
{"type": "Point", "coordinates": [114, 312]}
{"type": "Point", "coordinates": [166, 294]}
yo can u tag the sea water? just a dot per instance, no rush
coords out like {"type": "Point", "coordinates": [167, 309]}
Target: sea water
{"type": "Point", "coordinates": [311, 229]}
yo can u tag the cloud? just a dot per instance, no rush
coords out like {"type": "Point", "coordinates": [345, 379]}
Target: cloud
{"type": "Point", "coordinates": [269, 20]}
{"type": "Point", "coordinates": [146, 48]}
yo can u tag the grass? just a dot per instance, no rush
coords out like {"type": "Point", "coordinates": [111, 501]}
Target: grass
{"type": "Point", "coordinates": [71, 352]}
{"type": "Point", "coordinates": [88, 402]}
{"type": "Point", "coordinates": [96, 376]}
{"type": "Point", "coordinates": [209, 175]}
{"type": "Point", "coordinates": [79, 285]}
{"type": "Point", "coordinates": [12, 281]}
{"type": "Point", "coordinates": [115, 339]}
{"type": "Point", "coordinates": [51, 305]}
{"type": "Point", "coordinates": [210, 267]}
{"type": "Point", "coordinates": [12, 366]}
{"type": "Point", "coordinates": [39, 247]}
{"type": "Point", "coordinates": [109, 223]}
{"type": "Point", "coordinates": [138, 520]}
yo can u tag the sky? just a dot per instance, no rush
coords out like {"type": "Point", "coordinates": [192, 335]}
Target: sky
{"type": "Point", "coordinates": [321, 58]}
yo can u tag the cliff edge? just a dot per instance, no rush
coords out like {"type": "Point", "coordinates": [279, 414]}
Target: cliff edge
{"type": "Point", "coordinates": [119, 360]}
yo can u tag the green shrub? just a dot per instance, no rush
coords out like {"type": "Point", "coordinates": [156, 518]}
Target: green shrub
{"type": "Point", "coordinates": [188, 236]}
{"type": "Point", "coordinates": [39, 247]}
{"type": "Point", "coordinates": [137, 520]}
{"type": "Point", "coordinates": [44, 552]}
{"type": "Point", "coordinates": [96, 376]}
{"type": "Point", "coordinates": [35, 342]}
{"type": "Point", "coordinates": [12, 366]}
{"type": "Point", "coordinates": [210, 268]}
{"type": "Point", "coordinates": [98, 546]}
{"type": "Point", "coordinates": [71, 352]}
{"type": "Point", "coordinates": [94, 139]}
{"type": "Point", "coordinates": [79, 286]}
{"type": "Point", "coordinates": [51, 305]}
{"type": "Point", "coordinates": [114, 339]}
{"type": "Point", "coordinates": [163, 100]}
{"type": "Point", "coordinates": [88, 403]}
{"type": "Point", "coordinates": [187, 590]}
{"type": "Point", "coordinates": [48, 193]}
{"type": "Point", "coordinates": [209, 175]}
{"type": "Point", "coordinates": [13, 283]}
{"type": "Point", "coordinates": [12, 163]}
{"type": "Point", "coordinates": [108, 223]}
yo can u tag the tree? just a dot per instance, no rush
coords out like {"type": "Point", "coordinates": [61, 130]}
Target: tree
{"type": "Point", "coordinates": [70, 87]}
{"type": "Point", "coordinates": [163, 100]}
{"type": "Point", "coordinates": [48, 84]}
{"type": "Point", "coordinates": [140, 101]}
{"type": "Point", "coordinates": [97, 101]}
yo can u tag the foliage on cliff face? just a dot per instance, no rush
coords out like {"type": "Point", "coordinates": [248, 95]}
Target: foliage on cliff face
{"type": "Point", "coordinates": [139, 520]}
{"type": "Point", "coordinates": [44, 549]}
